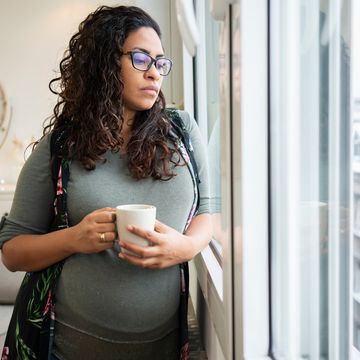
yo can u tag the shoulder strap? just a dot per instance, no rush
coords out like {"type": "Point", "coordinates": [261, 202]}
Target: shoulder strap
{"type": "Point", "coordinates": [57, 141]}
{"type": "Point", "coordinates": [31, 328]}
{"type": "Point", "coordinates": [180, 131]}
{"type": "Point", "coordinates": [60, 173]}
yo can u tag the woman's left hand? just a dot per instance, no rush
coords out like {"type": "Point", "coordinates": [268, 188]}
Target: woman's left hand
{"type": "Point", "coordinates": [168, 247]}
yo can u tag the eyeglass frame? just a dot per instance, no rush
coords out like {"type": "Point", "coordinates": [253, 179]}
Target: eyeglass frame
{"type": "Point", "coordinates": [152, 61]}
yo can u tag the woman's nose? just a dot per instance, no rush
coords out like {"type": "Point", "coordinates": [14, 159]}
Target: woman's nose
{"type": "Point", "coordinates": [153, 72]}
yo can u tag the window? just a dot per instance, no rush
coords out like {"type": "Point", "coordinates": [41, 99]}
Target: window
{"type": "Point", "coordinates": [208, 69]}
{"type": "Point", "coordinates": [310, 178]}
{"type": "Point", "coordinates": [233, 74]}
{"type": "Point", "coordinates": [355, 249]}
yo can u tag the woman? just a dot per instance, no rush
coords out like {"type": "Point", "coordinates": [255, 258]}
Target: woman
{"type": "Point", "coordinates": [119, 150]}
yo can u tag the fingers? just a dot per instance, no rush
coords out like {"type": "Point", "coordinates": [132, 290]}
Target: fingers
{"type": "Point", "coordinates": [165, 250]}
{"type": "Point", "coordinates": [96, 232]}
{"type": "Point", "coordinates": [149, 262]}
{"type": "Point", "coordinates": [105, 233]}
{"type": "Point", "coordinates": [102, 220]}
{"type": "Point", "coordinates": [107, 237]}
{"type": "Point", "coordinates": [161, 227]}
{"type": "Point", "coordinates": [149, 235]}
{"type": "Point", "coordinates": [103, 216]}
{"type": "Point", "coordinates": [140, 251]}
{"type": "Point", "coordinates": [104, 227]}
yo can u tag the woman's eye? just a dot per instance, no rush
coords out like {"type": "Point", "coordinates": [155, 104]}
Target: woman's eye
{"type": "Point", "coordinates": [140, 59]}
{"type": "Point", "coordinates": [163, 64]}
{"type": "Point", "coordinates": [160, 64]}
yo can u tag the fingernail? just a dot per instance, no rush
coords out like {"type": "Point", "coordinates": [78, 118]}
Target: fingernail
{"type": "Point", "coordinates": [130, 227]}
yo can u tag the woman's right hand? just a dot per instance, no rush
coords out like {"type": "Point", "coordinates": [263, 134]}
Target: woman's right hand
{"type": "Point", "coordinates": [95, 232]}
{"type": "Point", "coordinates": [33, 252]}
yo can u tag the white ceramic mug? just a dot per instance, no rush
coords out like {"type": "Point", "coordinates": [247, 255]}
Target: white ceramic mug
{"type": "Point", "coordinates": [134, 214]}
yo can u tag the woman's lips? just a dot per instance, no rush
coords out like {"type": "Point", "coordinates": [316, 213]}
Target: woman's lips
{"type": "Point", "coordinates": [150, 90]}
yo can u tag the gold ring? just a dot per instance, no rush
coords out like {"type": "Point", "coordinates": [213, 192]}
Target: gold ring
{"type": "Point", "coordinates": [102, 237]}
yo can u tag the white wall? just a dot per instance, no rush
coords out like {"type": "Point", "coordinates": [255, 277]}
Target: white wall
{"type": "Point", "coordinates": [33, 37]}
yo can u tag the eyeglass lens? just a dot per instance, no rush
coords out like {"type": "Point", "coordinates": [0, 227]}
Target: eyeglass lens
{"type": "Point", "coordinates": [143, 62]}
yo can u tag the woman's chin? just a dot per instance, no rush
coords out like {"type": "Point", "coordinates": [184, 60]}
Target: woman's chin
{"type": "Point", "coordinates": [146, 106]}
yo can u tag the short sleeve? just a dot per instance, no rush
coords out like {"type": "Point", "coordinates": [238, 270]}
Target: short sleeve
{"type": "Point", "coordinates": [31, 210]}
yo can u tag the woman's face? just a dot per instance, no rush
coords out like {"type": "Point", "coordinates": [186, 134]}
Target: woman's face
{"type": "Point", "coordinates": [141, 88]}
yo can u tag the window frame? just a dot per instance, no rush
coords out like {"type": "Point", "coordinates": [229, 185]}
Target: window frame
{"type": "Point", "coordinates": [243, 309]}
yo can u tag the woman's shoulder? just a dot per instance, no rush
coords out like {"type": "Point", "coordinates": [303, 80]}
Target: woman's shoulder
{"type": "Point", "coordinates": [187, 120]}
{"type": "Point", "coordinates": [42, 147]}
{"type": "Point", "coordinates": [36, 165]}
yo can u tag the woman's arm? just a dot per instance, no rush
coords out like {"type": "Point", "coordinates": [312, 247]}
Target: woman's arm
{"type": "Point", "coordinates": [200, 231]}
{"type": "Point", "coordinates": [36, 252]}
{"type": "Point", "coordinates": [169, 247]}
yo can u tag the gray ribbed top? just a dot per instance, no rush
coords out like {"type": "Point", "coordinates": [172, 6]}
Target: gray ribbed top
{"type": "Point", "coordinates": [99, 294]}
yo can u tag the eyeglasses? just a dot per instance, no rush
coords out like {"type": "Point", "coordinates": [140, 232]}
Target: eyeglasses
{"type": "Point", "coordinates": [143, 62]}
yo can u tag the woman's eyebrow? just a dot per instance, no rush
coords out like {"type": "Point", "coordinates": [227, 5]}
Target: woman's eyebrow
{"type": "Point", "coordinates": [146, 51]}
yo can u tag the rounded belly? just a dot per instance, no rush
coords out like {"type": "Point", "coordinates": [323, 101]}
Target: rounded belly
{"type": "Point", "coordinates": [103, 292]}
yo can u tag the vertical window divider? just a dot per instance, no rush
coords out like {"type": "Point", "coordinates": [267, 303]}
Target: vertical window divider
{"type": "Point", "coordinates": [291, 112]}
{"type": "Point", "coordinates": [334, 181]}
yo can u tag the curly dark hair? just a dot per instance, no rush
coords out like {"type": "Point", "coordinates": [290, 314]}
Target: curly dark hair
{"type": "Point", "coordinates": [90, 105]}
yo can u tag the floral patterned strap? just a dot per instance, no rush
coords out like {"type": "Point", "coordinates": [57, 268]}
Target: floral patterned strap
{"type": "Point", "coordinates": [182, 142]}
{"type": "Point", "coordinates": [29, 332]}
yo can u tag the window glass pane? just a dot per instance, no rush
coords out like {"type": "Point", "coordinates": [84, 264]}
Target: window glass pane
{"type": "Point", "coordinates": [310, 177]}
{"type": "Point", "coordinates": [213, 66]}
{"type": "Point", "coordinates": [356, 179]}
